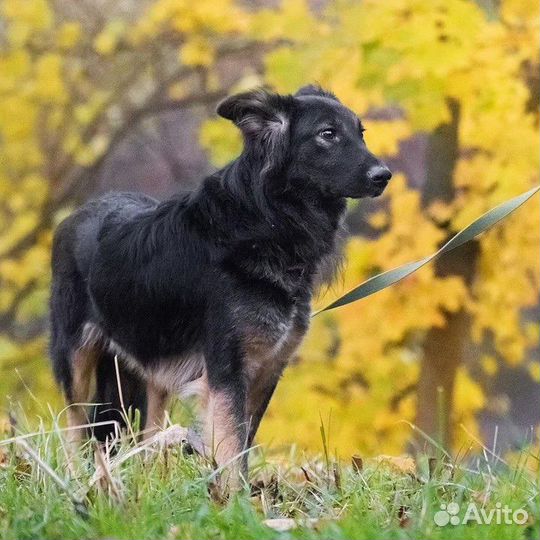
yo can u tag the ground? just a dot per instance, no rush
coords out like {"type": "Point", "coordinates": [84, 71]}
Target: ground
{"type": "Point", "coordinates": [172, 494]}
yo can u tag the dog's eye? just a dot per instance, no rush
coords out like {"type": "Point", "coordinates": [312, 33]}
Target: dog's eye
{"type": "Point", "coordinates": [328, 134]}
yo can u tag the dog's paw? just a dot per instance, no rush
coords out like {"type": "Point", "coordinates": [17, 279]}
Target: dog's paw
{"type": "Point", "coordinates": [172, 436]}
{"type": "Point", "coordinates": [187, 438]}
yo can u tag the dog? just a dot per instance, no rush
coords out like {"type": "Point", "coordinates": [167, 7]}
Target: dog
{"type": "Point", "coordinates": [208, 293]}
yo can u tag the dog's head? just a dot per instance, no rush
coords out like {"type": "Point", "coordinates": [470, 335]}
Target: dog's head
{"type": "Point", "coordinates": [307, 139]}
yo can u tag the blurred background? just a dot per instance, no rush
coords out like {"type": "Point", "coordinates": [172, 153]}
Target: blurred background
{"type": "Point", "coordinates": [99, 95]}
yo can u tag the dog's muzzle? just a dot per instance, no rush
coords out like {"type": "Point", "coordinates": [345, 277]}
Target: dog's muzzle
{"type": "Point", "coordinates": [378, 177]}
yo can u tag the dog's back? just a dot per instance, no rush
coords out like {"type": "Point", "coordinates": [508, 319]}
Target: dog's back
{"type": "Point", "coordinates": [74, 245]}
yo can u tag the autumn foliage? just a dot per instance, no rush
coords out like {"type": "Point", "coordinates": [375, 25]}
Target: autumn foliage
{"type": "Point", "coordinates": [73, 83]}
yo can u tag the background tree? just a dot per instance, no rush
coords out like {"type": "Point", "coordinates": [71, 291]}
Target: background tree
{"type": "Point", "coordinates": [455, 79]}
{"type": "Point", "coordinates": [462, 75]}
{"type": "Point", "coordinates": [76, 80]}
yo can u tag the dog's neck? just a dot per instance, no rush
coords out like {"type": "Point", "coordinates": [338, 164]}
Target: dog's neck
{"type": "Point", "coordinates": [281, 233]}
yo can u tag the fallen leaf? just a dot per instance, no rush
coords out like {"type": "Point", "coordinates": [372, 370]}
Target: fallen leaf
{"type": "Point", "coordinates": [357, 463]}
{"type": "Point", "coordinates": [287, 524]}
{"type": "Point", "coordinates": [4, 459]}
{"type": "Point", "coordinates": [403, 464]}
{"type": "Point", "coordinates": [403, 516]}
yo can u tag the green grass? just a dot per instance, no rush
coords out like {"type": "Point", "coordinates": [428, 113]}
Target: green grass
{"type": "Point", "coordinates": [169, 495]}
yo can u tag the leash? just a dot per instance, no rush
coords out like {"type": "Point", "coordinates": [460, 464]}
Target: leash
{"type": "Point", "coordinates": [477, 227]}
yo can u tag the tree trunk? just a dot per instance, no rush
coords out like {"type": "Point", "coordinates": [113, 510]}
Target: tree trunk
{"type": "Point", "coordinates": [444, 348]}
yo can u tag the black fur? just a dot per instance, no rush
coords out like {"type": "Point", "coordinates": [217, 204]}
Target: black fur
{"type": "Point", "coordinates": [201, 275]}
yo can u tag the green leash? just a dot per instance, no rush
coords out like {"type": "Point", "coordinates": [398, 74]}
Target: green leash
{"type": "Point", "coordinates": [381, 281]}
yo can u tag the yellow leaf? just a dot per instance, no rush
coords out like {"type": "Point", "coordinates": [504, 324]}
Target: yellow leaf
{"type": "Point", "coordinates": [403, 464]}
{"type": "Point", "coordinates": [197, 52]}
{"type": "Point", "coordinates": [69, 34]}
{"type": "Point", "coordinates": [107, 40]}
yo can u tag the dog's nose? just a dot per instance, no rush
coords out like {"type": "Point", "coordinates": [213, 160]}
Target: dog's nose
{"type": "Point", "coordinates": [379, 174]}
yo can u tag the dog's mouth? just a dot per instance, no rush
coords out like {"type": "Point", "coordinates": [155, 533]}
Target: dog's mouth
{"type": "Point", "coordinates": [377, 187]}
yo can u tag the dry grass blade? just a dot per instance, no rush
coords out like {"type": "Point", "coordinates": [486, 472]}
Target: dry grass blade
{"type": "Point", "coordinates": [17, 438]}
{"type": "Point", "coordinates": [106, 480]}
{"type": "Point", "coordinates": [172, 436]}
{"type": "Point", "coordinates": [337, 476]}
{"type": "Point", "coordinates": [78, 504]}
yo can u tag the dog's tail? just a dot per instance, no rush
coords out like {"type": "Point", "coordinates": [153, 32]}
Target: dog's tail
{"type": "Point", "coordinates": [118, 396]}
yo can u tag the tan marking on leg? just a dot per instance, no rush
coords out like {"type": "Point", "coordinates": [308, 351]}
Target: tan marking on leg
{"type": "Point", "coordinates": [157, 401]}
{"type": "Point", "coordinates": [223, 438]}
{"type": "Point", "coordinates": [83, 365]}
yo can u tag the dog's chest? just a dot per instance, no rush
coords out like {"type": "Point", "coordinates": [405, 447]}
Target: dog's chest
{"type": "Point", "coordinates": [269, 336]}
{"type": "Point", "coordinates": [267, 329]}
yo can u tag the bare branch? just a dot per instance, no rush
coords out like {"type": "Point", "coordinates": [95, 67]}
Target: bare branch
{"type": "Point", "coordinates": [10, 313]}
{"type": "Point", "coordinates": [85, 178]}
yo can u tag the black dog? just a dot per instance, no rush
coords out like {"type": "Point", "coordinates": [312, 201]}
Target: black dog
{"type": "Point", "coordinates": [209, 293]}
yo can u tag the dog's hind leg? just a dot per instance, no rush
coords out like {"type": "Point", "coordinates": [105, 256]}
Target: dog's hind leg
{"type": "Point", "coordinates": [83, 365]}
{"type": "Point", "coordinates": [157, 400]}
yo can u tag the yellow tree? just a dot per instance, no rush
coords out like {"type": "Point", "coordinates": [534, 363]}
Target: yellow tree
{"type": "Point", "coordinates": [76, 78]}
{"type": "Point", "coordinates": [74, 84]}
{"type": "Point", "coordinates": [462, 75]}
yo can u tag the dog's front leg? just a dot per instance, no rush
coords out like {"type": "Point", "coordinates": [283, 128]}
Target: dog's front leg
{"type": "Point", "coordinates": [265, 370]}
{"type": "Point", "coordinates": [225, 425]}
{"type": "Point", "coordinates": [224, 434]}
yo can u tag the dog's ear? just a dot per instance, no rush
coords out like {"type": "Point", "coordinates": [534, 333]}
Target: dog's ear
{"type": "Point", "coordinates": [313, 90]}
{"type": "Point", "coordinates": [257, 112]}
{"type": "Point", "coordinates": [264, 119]}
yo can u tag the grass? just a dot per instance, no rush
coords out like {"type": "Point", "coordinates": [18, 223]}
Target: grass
{"type": "Point", "coordinates": [169, 494]}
